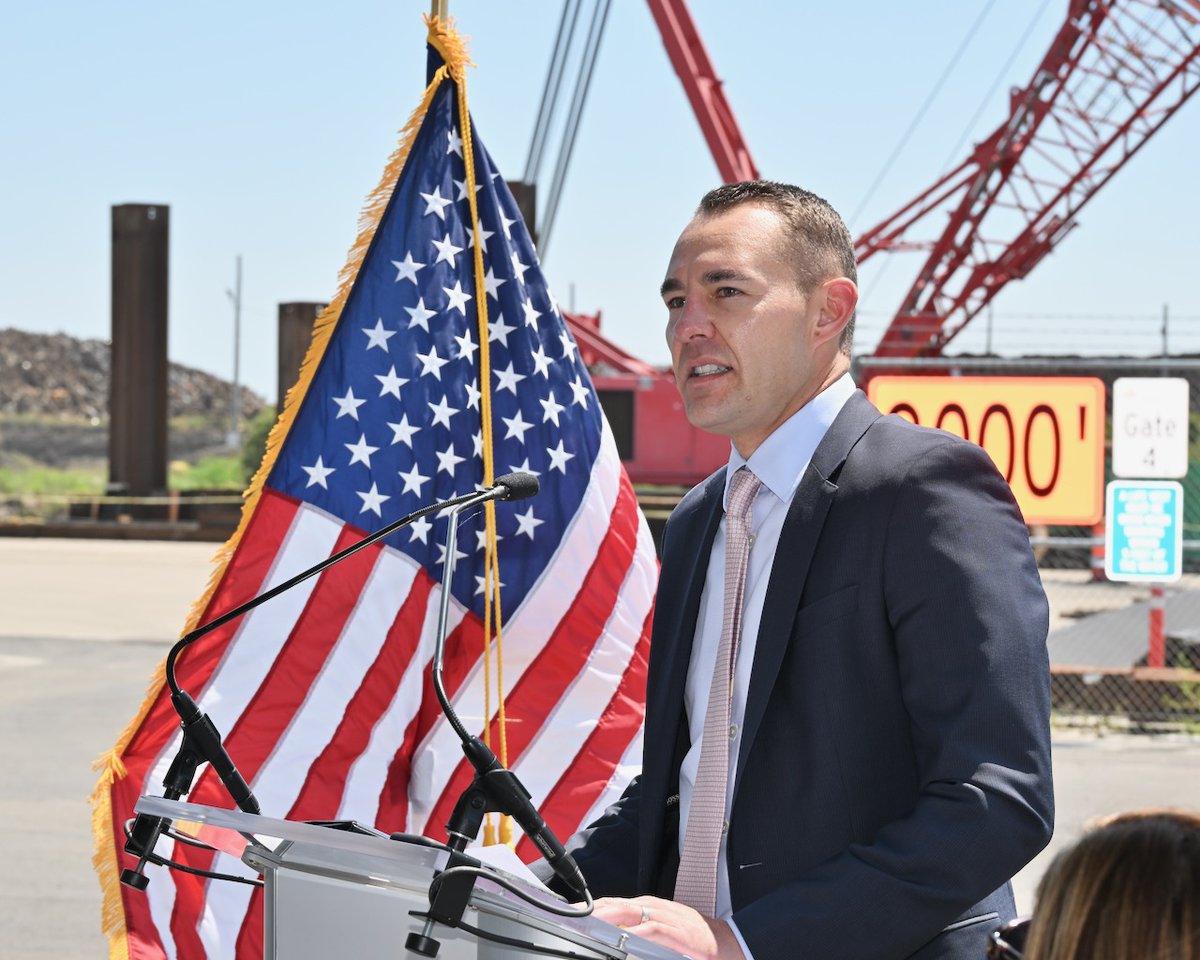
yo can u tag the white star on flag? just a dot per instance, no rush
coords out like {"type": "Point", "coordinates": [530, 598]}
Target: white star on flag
{"type": "Point", "coordinates": [527, 523]}
{"type": "Point", "coordinates": [407, 268]}
{"type": "Point", "coordinates": [559, 457]}
{"type": "Point", "coordinates": [448, 459]}
{"type": "Point", "coordinates": [419, 530]}
{"type": "Point", "coordinates": [492, 284]}
{"type": "Point", "coordinates": [531, 313]}
{"type": "Point", "coordinates": [361, 451]}
{"type": "Point", "coordinates": [378, 336]}
{"type": "Point", "coordinates": [419, 315]}
{"type": "Point", "coordinates": [458, 298]}
{"type": "Point", "coordinates": [404, 431]}
{"type": "Point", "coordinates": [518, 267]}
{"type": "Point", "coordinates": [348, 405]}
{"type": "Point", "coordinates": [499, 330]}
{"type": "Point", "coordinates": [551, 408]}
{"type": "Point", "coordinates": [435, 203]}
{"type": "Point", "coordinates": [516, 427]}
{"type": "Point", "coordinates": [317, 473]}
{"type": "Point", "coordinates": [442, 412]}
{"type": "Point", "coordinates": [390, 383]}
{"type": "Point", "coordinates": [447, 251]}
{"type": "Point", "coordinates": [466, 347]}
{"type": "Point", "coordinates": [431, 363]}
{"type": "Point", "coordinates": [483, 235]}
{"type": "Point", "coordinates": [580, 393]}
{"type": "Point", "coordinates": [413, 480]}
{"type": "Point", "coordinates": [541, 362]}
{"type": "Point", "coordinates": [508, 379]}
{"type": "Point", "coordinates": [372, 499]}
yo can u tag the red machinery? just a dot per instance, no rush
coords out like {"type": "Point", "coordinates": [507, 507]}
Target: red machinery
{"type": "Point", "coordinates": [1114, 74]}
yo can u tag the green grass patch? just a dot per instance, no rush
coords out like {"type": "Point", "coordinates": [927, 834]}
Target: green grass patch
{"type": "Point", "coordinates": [44, 481]}
{"type": "Point", "coordinates": [223, 472]}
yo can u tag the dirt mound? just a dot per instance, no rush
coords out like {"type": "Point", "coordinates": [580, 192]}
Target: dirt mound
{"type": "Point", "coordinates": [57, 375]}
{"type": "Point", "coordinates": [54, 400]}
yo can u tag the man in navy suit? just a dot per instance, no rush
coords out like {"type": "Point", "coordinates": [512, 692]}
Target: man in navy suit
{"type": "Point", "coordinates": [888, 755]}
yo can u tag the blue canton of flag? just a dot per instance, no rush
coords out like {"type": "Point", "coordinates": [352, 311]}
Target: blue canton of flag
{"type": "Point", "coordinates": [392, 419]}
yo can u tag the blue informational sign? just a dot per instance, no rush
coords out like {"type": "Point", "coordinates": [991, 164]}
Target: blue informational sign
{"type": "Point", "coordinates": [1144, 531]}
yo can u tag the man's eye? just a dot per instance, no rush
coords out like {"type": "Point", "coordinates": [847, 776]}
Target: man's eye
{"type": "Point", "coordinates": [728, 291]}
{"type": "Point", "coordinates": [674, 303]}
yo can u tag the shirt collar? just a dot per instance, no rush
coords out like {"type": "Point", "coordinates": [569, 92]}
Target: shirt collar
{"type": "Point", "coordinates": [781, 459]}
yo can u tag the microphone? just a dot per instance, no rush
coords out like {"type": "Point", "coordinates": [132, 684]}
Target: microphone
{"type": "Point", "coordinates": [202, 741]}
{"type": "Point", "coordinates": [517, 486]}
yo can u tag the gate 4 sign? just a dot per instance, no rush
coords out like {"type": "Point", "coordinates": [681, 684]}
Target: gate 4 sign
{"type": "Point", "coordinates": [1045, 434]}
{"type": "Point", "coordinates": [1150, 427]}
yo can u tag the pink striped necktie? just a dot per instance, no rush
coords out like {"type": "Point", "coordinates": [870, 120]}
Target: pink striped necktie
{"type": "Point", "coordinates": [696, 882]}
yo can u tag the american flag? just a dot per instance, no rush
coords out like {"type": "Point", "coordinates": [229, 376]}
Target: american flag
{"type": "Point", "coordinates": [324, 694]}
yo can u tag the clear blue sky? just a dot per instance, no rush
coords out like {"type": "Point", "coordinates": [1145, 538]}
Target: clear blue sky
{"type": "Point", "coordinates": [264, 125]}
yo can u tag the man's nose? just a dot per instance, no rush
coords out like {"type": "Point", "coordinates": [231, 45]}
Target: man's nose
{"type": "Point", "coordinates": [693, 321]}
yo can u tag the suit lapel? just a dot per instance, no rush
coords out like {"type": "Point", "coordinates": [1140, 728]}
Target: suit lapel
{"type": "Point", "coordinates": [676, 609]}
{"type": "Point", "coordinates": [793, 557]}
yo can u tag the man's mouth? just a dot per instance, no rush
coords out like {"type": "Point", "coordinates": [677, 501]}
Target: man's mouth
{"type": "Point", "coordinates": [708, 370]}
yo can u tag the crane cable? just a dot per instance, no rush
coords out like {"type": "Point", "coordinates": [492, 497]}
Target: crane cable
{"type": "Point", "coordinates": [587, 66]}
{"type": "Point", "coordinates": [548, 107]}
{"type": "Point", "coordinates": [937, 88]}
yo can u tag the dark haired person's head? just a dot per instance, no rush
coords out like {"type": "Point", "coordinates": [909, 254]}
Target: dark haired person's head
{"type": "Point", "coordinates": [820, 242]}
{"type": "Point", "coordinates": [760, 294]}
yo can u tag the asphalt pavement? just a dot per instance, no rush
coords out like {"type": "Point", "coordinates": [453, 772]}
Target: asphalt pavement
{"type": "Point", "coordinates": [83, 624]}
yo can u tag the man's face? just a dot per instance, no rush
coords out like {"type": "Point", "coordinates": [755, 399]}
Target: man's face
{"type": "Point", "coordinates": [746, 343]}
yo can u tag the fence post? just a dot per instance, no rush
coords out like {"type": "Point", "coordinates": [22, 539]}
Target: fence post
{"type": "Point", "coordinates": [1157, 654]}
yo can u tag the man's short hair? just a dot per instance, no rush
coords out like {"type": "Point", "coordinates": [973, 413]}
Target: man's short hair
{"type": "Point", "coordinates": [823, 247]}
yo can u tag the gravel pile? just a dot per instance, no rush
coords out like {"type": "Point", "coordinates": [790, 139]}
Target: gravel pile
{"type": "Point", "coordinates": [60, 376]}
{"type": "Point", "coordinates": [54, 401]}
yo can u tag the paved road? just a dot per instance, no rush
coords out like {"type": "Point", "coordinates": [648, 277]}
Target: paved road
{"type": "Point", "coordinates": [84, 623]}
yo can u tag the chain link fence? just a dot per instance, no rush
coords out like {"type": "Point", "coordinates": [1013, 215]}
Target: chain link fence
{"type": "Point", "coordinates": [1102, 632]}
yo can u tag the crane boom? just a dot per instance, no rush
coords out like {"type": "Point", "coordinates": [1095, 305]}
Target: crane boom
{"type": "Point", "coordinates": [1115, 73]}
{"type": "Point", "coordinates": [704, 90]}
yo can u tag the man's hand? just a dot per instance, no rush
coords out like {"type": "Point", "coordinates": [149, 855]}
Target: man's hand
{"type": "Point", "coordinates": [673, 925]}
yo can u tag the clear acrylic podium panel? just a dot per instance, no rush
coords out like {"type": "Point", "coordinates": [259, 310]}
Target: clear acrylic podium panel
{"type": "Point", "coordinates": [336, 894]}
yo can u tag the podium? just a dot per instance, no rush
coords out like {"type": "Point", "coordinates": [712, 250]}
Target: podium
{"type": "Point", "coordinates": [334, 892]}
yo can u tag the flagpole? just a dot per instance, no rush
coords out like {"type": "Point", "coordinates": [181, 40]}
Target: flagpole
{"type": "Point", "coordinates": [439, 9]}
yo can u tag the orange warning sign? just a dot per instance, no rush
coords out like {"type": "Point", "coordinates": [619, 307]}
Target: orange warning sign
{"type": "Point", "coordinates": [1045, 434]}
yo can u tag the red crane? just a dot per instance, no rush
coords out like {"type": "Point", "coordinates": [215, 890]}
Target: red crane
{"type": "Point", "coordinates": [1116, 71]}
{"type": "Point", "coordinates": [1114, 74]}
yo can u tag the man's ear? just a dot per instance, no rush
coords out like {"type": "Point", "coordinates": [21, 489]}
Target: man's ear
{"type": "Point", "coordinates": [838, 298]}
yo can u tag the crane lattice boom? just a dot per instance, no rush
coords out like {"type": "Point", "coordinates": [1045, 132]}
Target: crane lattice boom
{"type": "Point", "coordinates": [1115, 73]}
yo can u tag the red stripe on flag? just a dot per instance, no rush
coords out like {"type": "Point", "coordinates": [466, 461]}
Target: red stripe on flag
{"type": "Point", "coordinates": [577, 790]}
{"type": "Point", "coordinates": [392, 814]}
{"type": "Point", "coordinates": [274, 704]}
{"type": "Point", "coordinates": [242, 579]}
{"type": "Point", "coordinates": [321, 795]}
{"type": "Point", "coordinates": [566, 651]}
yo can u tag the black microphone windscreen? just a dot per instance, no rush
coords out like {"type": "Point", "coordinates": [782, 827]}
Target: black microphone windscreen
{"type": "Point", "coordinates": [518, 486]}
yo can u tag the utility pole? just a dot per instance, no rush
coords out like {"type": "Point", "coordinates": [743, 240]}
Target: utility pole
{"type": "Point", "coordinates": [234, 439]}
{"type": "Point", "coordinates": [988, 346]}
{"type": "Point", "coordinates": [1166, 320]}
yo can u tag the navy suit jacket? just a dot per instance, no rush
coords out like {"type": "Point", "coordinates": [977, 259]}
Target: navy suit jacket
{"type": "Point", "coordinates": [894, 770]}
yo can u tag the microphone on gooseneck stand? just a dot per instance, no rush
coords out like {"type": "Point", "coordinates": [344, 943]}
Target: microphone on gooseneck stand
{"type": "Point", "coordinates": [201, 740]}
{"type": "Point", "coordinates": [495, 788]}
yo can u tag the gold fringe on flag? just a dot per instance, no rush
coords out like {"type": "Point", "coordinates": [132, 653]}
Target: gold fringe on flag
{"type": "Point", "coordinates": [452, 46]}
